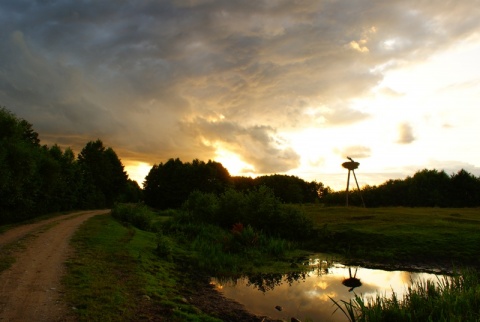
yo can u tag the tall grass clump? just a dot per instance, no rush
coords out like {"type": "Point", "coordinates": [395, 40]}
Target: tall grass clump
{"type": "Point", "coordinates": [138, 215]}
{"type": "Point", "coordinates": [450, 298]}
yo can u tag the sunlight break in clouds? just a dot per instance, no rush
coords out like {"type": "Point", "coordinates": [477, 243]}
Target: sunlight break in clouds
{"type": "Point", "coordinates": [137, 171]}
{"type": "Point", "coordinates": [294, 82]}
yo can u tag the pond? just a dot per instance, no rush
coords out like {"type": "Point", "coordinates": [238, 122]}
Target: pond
{"type": "Point", "coordinates": [306, 296]}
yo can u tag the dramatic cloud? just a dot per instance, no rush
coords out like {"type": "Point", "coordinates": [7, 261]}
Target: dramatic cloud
{"type": "Point", "coordinates": [181, 78]}
{"type": "Point", "coordinates": [258, 146]}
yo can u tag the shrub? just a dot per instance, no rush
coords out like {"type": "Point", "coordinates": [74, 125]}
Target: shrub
{"type": "Point", "coordinates": [138, 215]}
{"type": "Point", "coordinates": [292, 223]}
{"type": "Point", "coordinates": [164, 246]}
{"type": "Point", "coordinates": [202, 206]}
{"type": "Point", "coordinates": [258, 208]}
{"type": "Point", "coordinates": [232, 208]}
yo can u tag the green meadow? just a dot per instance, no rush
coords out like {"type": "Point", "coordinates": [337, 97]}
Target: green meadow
{"type": "Point", "coordinates": [431, 236]}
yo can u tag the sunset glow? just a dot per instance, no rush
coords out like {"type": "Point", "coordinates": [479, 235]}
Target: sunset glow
{"type": "Point", "coordinates": [265, 87]}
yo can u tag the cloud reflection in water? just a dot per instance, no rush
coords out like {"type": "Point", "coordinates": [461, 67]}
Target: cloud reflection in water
{"type": "Point", "coordinates": [307, 296]}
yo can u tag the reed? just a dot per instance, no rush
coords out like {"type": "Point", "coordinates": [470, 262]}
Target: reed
{"type": "Point", "coordinates": [450, 298]}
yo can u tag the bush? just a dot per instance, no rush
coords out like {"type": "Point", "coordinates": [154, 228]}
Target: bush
{"type": "Point", "coordinates": [138, 215]}
{"type": "Point", "coordinates": [292, 223]}
{"type": "Point", "coordinates": [202, 207]}
{"type": "Point", "coordinates": [164, 246]}
{"type": "Point", "coordinates": [258, 208]}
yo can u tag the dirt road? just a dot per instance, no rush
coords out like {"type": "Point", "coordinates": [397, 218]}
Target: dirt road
{"type": "Point", "coordinates": [30, 290]}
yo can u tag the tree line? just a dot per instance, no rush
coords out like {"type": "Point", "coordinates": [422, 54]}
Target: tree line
{"type": "Point", "coordinates": [169, 184]}
{"type": "Point", "coordinates": [426, 188]}
{"type": "Point", "coordinates": [36, 179]}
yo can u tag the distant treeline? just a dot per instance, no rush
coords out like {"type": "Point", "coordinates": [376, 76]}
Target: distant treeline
{"type": "Point", "coordinates": [169, 184]}
{"type": "Point", "coordinates": [36, 179]}
{"type": "Point", "coordinates": [427, 188]}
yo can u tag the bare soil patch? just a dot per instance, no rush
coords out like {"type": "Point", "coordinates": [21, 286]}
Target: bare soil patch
{"type": "Point", "coordinates": [31, 290]}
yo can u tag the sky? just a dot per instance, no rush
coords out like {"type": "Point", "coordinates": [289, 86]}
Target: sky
{"type": "Point", "coordinates": [261, 86]}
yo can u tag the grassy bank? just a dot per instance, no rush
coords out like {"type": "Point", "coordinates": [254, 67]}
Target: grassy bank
{"type": "Point", "coordinates": [120, 272]}
{"type": "Point", "coordinates": [398, 235]}
{"type": "Point", "coordinates": [115, 275]}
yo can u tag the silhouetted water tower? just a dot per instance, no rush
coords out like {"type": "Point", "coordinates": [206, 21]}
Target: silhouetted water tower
{"type": "Point", "coordinates": [351, 166]}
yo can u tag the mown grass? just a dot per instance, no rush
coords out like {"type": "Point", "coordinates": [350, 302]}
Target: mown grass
{"type": "Point", "coordinates": [115, 275]}
{"type": "Point", "coordinates": [434, 235]}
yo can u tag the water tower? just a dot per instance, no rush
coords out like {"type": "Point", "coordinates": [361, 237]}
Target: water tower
{"type": "Point", "coordinates": [351, 166]}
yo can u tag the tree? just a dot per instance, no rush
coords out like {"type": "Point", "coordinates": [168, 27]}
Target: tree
{"type": "Point", "coordinates": [428, 188]}
{"type": "Point", "coordinates": [66, 192]}
{"type": "Point", "coordinates": [464, 190]}
{"type": "Point", "coordinates": [36, 179]}
{"type": "Point", "coordinates": [103, 176]}
{"type": "Point", "coordinates": [243, 183]}
{"type": "Point", "coordinates": [169, 185]}
{"type": "Point", "coordinates": [289, 189]}
{"type": "Point", "coordinates": [20, 156]}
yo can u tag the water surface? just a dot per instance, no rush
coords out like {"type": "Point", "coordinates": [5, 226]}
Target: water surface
{"type": "Point", "coordinates": [307, 296]}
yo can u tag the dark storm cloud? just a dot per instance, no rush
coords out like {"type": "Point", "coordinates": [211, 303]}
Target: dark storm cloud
{"type": "Point", "coordinates": [135, 72]}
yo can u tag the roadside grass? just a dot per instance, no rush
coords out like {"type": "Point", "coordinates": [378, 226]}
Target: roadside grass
{"type": "Point", "coordinates": [451, 298]}
{"type": "Point", "coordinates": [435, 235]}
{"type": "Point", "coordinates": [115, 275]}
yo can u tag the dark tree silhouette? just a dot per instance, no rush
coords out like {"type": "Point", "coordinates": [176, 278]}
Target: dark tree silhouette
{"type": "Point", "coordinates": [426, 188]}
{"type": "Point", "coordinates": [169, 185]}
{"type": "Point", "coordinates": [104, 178]}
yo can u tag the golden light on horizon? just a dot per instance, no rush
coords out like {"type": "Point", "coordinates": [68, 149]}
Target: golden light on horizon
{"type": "Point", "coordinates": [137, 170]}
{"type": "Point", "coordinates": [232, 162]}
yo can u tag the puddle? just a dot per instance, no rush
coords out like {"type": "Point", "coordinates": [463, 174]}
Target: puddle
{"type": "Point", "coordinates": [306, 296]}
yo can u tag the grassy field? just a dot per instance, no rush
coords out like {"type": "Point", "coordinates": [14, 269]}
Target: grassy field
{"type": "Point", "coordinates": [397, 235]}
